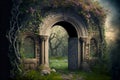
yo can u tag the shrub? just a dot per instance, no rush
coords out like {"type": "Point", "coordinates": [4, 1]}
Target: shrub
{"type": "Point", "coordinates": [35, 75]}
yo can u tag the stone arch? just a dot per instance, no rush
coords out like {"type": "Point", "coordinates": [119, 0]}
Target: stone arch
{"type": "Point", "coordinates": [30, 62]}
{"type": "Point", "coordinates": [73, 19]}
{"type": "Point", "coordinates": [45, 15]}
{"type": "Point", "coordinates": [68, 27]}
{"type": "Point", "coordinates": [75, 28]}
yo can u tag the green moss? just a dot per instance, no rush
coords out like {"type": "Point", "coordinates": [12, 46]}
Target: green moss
{"type": "Point", "coordinates": [43, 67]}
{"type": "Point", "coordinates": [35, 75]}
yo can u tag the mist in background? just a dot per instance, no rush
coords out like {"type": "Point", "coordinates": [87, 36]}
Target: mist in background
{"type": "Point", "coordinates": [112, 34]}
{"type": "Point", "coordinates": [112, 24]}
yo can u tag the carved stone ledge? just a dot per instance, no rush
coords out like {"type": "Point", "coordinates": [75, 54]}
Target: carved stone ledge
{"type": "Point", "coordinates": [43, 37]}
{"type": "Point", "coordinates": [84, 38]}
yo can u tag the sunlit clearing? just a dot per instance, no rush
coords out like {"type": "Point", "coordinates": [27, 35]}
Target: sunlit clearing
{"type": "Point", "coordinates": [58, 48]}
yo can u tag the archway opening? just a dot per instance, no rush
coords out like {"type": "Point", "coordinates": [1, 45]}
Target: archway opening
{"type": "Point", "coordinates": [58, 48]}
{"type": "Point", "coordinates": [59, 44]}
{"type": "Point", "coordinates": [68, 27]}
{"type": "Point", "coordinates": [28, 48]}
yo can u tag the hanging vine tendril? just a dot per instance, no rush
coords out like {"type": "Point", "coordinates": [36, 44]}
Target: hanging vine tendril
{"type": "Point", "coordinates": [12, 37]}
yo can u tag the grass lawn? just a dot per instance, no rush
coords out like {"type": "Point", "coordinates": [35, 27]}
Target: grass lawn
{"type": "Point", "coordinates": [59, 63]}
{"type": "Point", "coordinates": [62, 73]}
{"type": "Point", "coordinates": [61, 66]}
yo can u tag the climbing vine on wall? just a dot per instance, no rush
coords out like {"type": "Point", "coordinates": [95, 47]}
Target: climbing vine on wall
{"type": "Point", "coordinates": [20, 22]}
{"type": "Point", "coordinates": [12, 36]}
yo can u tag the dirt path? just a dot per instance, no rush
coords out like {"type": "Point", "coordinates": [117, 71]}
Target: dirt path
{"type": "Point", "coordinates": [71, 77]}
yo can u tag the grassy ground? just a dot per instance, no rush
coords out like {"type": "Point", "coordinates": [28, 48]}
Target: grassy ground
{"type": "Point", "coordinates": [59, 63]}
{"type": "Point", "coordinates": [61, 66]}
{"type": "Point", "coordinates": [62, 73]}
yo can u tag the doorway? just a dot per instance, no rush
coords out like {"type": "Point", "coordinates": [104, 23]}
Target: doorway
{"type": "Point", "coordinates": [58, 48]}
{"type": "Point", "coordinates": [63, 43]}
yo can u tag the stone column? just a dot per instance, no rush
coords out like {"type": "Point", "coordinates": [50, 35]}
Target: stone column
{"type": "Point", "coordinates": [84, 51]}
{"type": "Point", "coordinates": [87, 52]}
{"type": "Point", "coordinates": [84, 56]}
{"type": "Point", "coordinates": [89, 49]}
{"type": "Point", "coordinates": [44, 49]}
{"type": "Point", "coordinates": [73, 53]}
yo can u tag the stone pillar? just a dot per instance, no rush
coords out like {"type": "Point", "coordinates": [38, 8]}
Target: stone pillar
{"type": "Point", "coordinates": [73, 53]}
{"type": "Point", "coordinates": [88, 51]}
{"type": "Point", "coordinates": [84, 48]}
{"type": "Point", "coordinates": [44, 49]}
{"type": "Point", "coordinates": [84, 54]}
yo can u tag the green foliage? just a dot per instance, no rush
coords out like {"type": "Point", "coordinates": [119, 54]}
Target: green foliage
{"type": "Point", "coordinates": [90, 10]}
{"type": "Point", "coordinates": [43, 67]}
{"type": "Point", "coordinates": [95, 76]}
{"type": "Point", "coordinates": [114, 60]}
{"type": "Point", "coordinates": [31, 22]}
{"type": "Point", "coordinates": [99, 71]}
{"type": "Point", "coordinates": [58, 42]}
{"type": "Point", "coordinates": [35, 75]}
{"type": "Point", "coordinates": [59, 63]}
